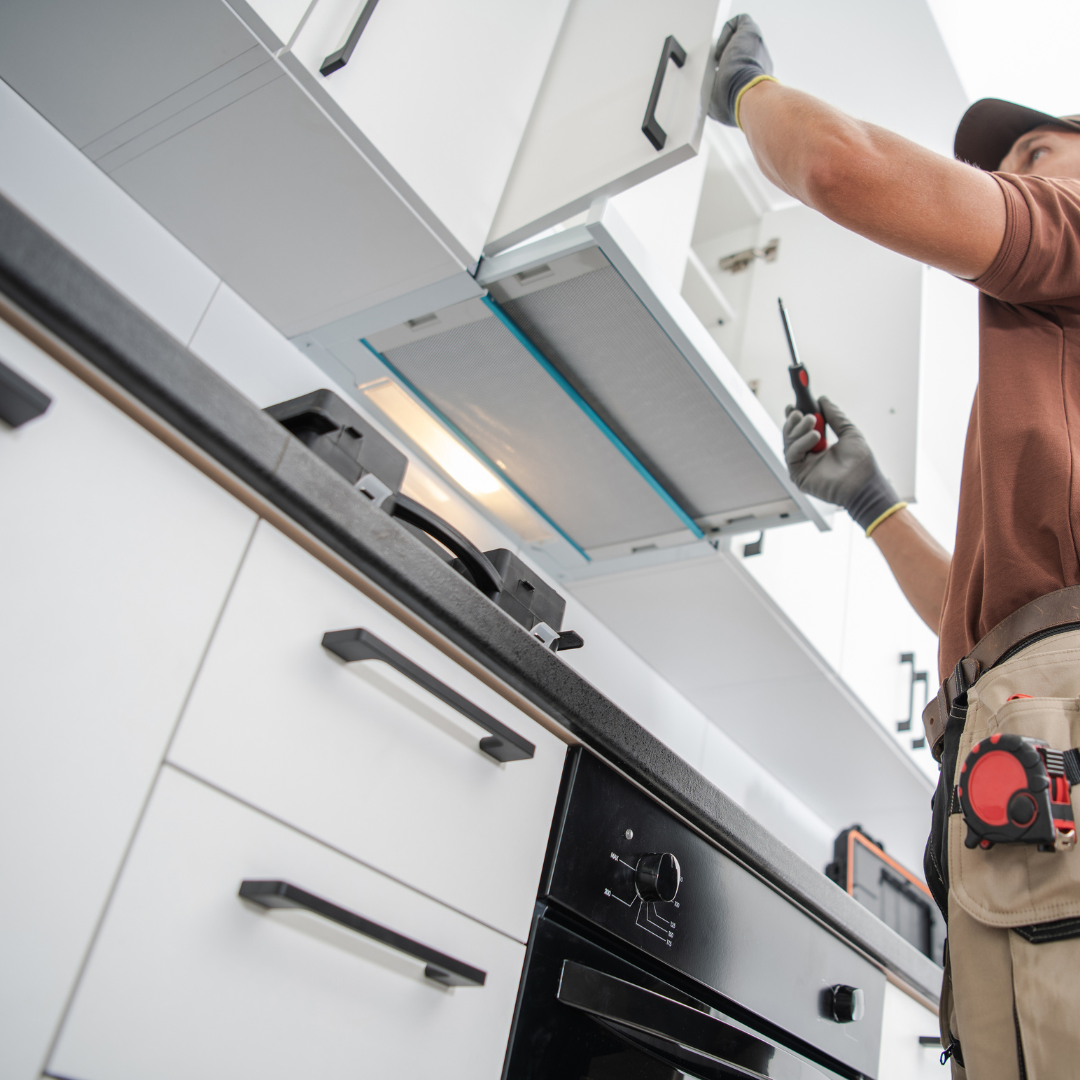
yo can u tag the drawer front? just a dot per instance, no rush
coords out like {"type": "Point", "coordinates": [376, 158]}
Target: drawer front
{"type": "Point", "coordinates": [359, 755]}
{"type": "Point", "coordinates": [188, 980]}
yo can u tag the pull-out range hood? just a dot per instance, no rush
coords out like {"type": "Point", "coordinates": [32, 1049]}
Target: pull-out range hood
{"type": "Point", "coordinates": [590, 387]}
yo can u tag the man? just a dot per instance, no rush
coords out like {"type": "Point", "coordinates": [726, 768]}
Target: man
{"type": "Point", "coordinates": [1006, 217]}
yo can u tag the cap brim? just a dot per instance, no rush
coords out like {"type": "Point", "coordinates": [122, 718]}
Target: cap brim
{"type": "Point", "coordinates": [989, 128]}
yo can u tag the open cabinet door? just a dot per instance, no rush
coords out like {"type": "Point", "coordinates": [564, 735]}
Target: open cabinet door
{"type": "Point", "coordinates": [613, 73]}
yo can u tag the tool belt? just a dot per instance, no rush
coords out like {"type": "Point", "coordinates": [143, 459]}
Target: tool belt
{"type": "Point", "coordinates": [1055, 613]}
{"type": "Point", "coordinates": [1006, 781]}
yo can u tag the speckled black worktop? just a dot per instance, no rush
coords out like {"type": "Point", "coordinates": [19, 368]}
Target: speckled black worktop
{"type": "Point", "coordinates": [63, 294]}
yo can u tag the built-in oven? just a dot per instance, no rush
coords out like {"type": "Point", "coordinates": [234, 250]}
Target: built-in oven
{"type": "Point", "coordinates": [655, 956]}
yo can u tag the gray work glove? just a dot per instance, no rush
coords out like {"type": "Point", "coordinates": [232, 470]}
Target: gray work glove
{"type": "Point", "coordinates": [742, 57]}
{"type": "Point", "coordinates": [845, 474]}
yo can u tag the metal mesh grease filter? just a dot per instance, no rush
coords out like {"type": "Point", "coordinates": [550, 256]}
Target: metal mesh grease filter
{"type": "Point", "coordinates": [603, 339]}
{"type": "Point", "coordinates": [487, 384]}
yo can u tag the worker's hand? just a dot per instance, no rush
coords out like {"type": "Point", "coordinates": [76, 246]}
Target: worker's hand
{"type": "Point", "coordinates": [741, 58]}
{"type": "Point", "coordinates": [845, 474]}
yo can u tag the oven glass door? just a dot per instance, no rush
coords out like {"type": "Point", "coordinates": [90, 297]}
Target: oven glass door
{"type": "Point", "coordinates": [586, 1014]}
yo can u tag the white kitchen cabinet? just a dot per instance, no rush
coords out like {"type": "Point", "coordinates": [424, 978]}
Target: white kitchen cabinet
{"type": "Point", "coordinates": [357, 754]}
{"type": "Point", "coordinates": [190, 113]}
{"type": "Point", "coordinates": [188, 980]}
{"type": "Point", "coordinates": [443, 90]}
{"type": "Point", "coordinates": [585, 137]}
{"type": "Point", "coordinates": [904, 1023]}
{"type": "Point", "coordinates": [319, 199]}
{"type": "Point", "coordinates": [117, 556]}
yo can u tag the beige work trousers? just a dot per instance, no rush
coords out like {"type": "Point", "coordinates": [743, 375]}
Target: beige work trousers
{"type": "Point", "coordinates": [1015, 1006]}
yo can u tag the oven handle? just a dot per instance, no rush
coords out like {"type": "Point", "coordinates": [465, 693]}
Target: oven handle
{"type": "Point", "coordinates": [620, 1004]}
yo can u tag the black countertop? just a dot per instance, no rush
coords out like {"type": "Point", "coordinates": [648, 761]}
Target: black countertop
{"type": "Point", "coordinates": [70, 300]}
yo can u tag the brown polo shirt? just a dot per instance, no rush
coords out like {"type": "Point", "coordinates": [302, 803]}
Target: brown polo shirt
{"type": "Point", "coordinates": [1019, 520]}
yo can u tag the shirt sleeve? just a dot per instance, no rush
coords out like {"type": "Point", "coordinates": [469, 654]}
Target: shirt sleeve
{"type": "Point", "coordinates": [1039, 258]}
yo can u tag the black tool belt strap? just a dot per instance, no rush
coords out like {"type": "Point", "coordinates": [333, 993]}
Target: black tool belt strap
{"type": "Point", "coordinates": [1056, 613]}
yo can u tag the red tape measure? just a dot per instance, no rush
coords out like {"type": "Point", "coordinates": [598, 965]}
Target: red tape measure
{"type": "Point", "coordinates": [1014, 790]}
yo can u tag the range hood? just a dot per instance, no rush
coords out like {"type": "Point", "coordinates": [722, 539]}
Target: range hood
{"type": "Point", "coordinates": [586, 383]}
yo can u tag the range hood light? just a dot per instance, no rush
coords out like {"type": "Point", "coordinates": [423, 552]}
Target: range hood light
{"type": "Point", "coordinates": [431, 436]}
{"type": "Point", "coordinates": [453, 458]}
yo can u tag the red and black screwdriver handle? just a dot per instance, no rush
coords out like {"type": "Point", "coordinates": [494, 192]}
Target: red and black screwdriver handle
{"type": "Point", "coordinates": [805, 403]}
{"type": "Point", "coordinates": [800, 383]}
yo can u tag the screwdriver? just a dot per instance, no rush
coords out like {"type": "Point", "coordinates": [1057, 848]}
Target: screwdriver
{"type": "Point", "coordinates": [800, 383]}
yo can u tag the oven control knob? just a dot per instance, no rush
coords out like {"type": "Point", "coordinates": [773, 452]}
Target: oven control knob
{"type": "Point", "coordinates": [658, 877]}
{"type": "Point", "coordinates": [846, 1004]}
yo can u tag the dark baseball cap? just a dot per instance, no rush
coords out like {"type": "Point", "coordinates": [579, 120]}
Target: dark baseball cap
{"type": "Point", "coordinates": [989, 128]}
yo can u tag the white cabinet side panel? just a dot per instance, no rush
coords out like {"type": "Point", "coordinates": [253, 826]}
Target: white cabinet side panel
{"type": "Point", "coordinates": [118, 556]}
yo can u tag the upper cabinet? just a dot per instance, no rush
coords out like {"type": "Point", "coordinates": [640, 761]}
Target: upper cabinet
{"type": "Point", "coordinates": [362, 191]}
{"type": "Point", "coordinates": [191, 114]}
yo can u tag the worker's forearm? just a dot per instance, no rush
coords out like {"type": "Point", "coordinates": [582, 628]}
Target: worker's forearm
{"type": "Point", "coordinates": [876, 183]}
{"type": "Point", "coordinates": [918, 562]}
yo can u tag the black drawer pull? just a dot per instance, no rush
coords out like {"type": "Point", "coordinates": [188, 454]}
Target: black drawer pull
{"type": "Point", "coordinates": [438, 966]}
{"type": "Point", "coordinates": [20, 401]}
{"type": "Point", "coordinates": [653, 131]}
{"type": "Point", "coordinates": [336, 61]}
{"type": "Point", "coordinates": [359, 644]}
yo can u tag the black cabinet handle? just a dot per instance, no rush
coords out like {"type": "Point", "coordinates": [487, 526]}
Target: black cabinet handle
{"type": "Point", "coordinates": [679, 1033]}
{"type": "Point", "coordinates": [653, 131]}
{"type": "Point", "coordinates": [438, 966]}
{"type": "Point", "coordinates": [485, 577]}
{"type": "Point", "coordinates": [359, 644]}
{"type": "Point", "coordinates": [336, 61]}
{"type": "Point", "coordinates": [20, 400]}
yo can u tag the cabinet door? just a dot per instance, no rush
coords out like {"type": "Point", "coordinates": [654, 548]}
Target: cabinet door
{"type": "Point", "coordinates": [187, 980]}
{"type": "Point", "coordinates": [443, 90]}
{"type": "Point", "coordinates": [360, 755]}
{"type": "Point", "coordinates": [585, 136]}
{"type": "Point", "coordinates": [117, 559]}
